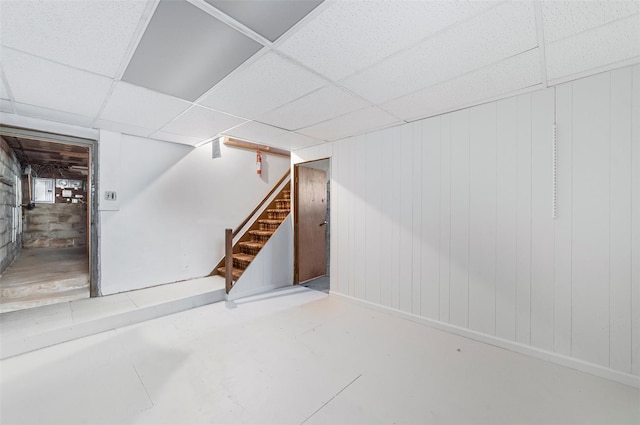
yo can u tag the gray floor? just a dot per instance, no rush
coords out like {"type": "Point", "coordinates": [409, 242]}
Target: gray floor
{"type": "Point", "coordinates": [298, 356]}
{"type": "Point", "coordinates": [43, 276]}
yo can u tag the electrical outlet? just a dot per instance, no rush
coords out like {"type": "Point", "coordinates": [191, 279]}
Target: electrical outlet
{"type": "Point", "coordinates": [110, 196]}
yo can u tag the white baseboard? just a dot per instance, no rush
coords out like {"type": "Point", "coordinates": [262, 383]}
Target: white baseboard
{"type": "Point", "coordinates": [570, 362]}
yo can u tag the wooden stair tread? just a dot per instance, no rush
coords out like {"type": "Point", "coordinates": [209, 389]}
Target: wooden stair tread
{"type": "Point", "coordinates": [236, 273]}
{"type": "Point", "coordinates": [270, 221]}
{"type": "Point", "coordinates": [262, 232]}
{"type": "Point", "coordinates": [251, 244]}
{"type": "Point", "coordinates": [276, 210]}
{"type": "Point", "coordinates": [244, 257]}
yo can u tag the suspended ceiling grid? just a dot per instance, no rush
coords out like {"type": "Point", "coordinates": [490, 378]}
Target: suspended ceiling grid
{"type": "Point", "coordinates": [297, 73]}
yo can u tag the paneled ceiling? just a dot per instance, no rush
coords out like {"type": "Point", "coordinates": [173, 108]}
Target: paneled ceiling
{"type": "Point", "coordinates": [293, 73]}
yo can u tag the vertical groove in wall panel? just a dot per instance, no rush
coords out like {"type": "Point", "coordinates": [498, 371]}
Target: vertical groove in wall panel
{"type": "Point", "coordinates": [339, 161]}
{"type": "Point", "coordinates": [620, 220]}
{"type": "Point", "coordinates": [385, 195]}
{"type": "Point", "coordinates": [445, 213]}
{"type": "Point", "coordinates": [523, 240]}
{"type": "Point", "coordinates": [590, 250]}
{"type": "Point", "coordinates": [360, 239]}
{"type": "Point", "coordinates": [459, 275]}
{"type": "Point", "coordinates": [406, 212]}
{"type": "Point", "coordinates": [506, 218]}
{"type": "Point", "coordinates": [335, 193]}
{"type": "Point", "coordinates": [350, 151]}
{"type": "Point", "coordinates": [482, 212]}
{"type": "Point", "coordinates": [416, 218]}
{"type": "Point", "coordinates": [562, 267]}
{"type": "Point", "coordinates": [542, 237]}
{"type": "Point", "coordinates": [374, 197]}
{"type": "Point", "coordinates": [396, 167]}
{"type": "Point", "coordinates": [431, 187]}
{"type": "Point", "coordinates": [635, 232]}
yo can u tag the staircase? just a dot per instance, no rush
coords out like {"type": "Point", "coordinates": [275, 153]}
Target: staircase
{"type": "Point", "coordinates": [248, 246]}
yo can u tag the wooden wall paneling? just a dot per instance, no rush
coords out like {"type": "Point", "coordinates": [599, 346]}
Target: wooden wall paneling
{"type": "Point", "coordinates": [406, 217]}
{"type": "Point", "coordinates": [445, 214]}
{"type": "Point", "coordinates": [635, 232]}
{"type": "Point", "coordinates": [386, 192]}
{"type": "Point", "coordinates": [359, 212]}
{"type": "Point", "coordinates": [482, 218]}
{"type": "Point", "coordinates": [374, 197]}
{"type": "Point", "coordinates": [562, 232]}
{"type": "Point", "coordinates": [430, 226]}
{"type": "Point", "coordinates": [350, 167]}
{"type": "Point", "coordinates": [459, 275]}
{"type": "Point", "coordinates": [506, 218]}
{"type": "Point", "coordinates": [523, 287]}
{"type": "Point", "coordinates": [542, 222]}
{"type": "Point", "coordinates": [396, 182]}
{"type": "Point", "coordinates": [620, 222]}
{"type": "Point", "coordinates": [590, 263]}
{"type": "Point", "coordinates": [416, 218]}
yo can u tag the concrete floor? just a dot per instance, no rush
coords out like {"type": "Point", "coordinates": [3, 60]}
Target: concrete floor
{"type": "Point", "coordinates": [43, 276]}
{"type": "Point", "coordinates": [298, 356]}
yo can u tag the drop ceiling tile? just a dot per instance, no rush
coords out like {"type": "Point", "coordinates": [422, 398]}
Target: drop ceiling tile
{"type": "Point", "coordinates": [357, 122]}
{"type": "Point", "coordinates": [90, 35]}
{"type": "Point", "coordinates": [350, 36]}
{"type": "Point", "coordinates": [53, 115]}
{"type": "Point", "coordinates": [269, 82]}
{"type": "Point", "coordinates": [6, 106]}
{"type": "Point", "coordinates": [499, 79]}
{"type": "Point", "coordinates": [202, 123]}
{"type": "Point", "coordinates": [39, 82]}
{"type": "Point", "coordinates": [270, 18]}
{"type": "Point", "coordinates": [592, 49]}
{"type": "Point", "coordinates": [487, 38]}
{"type": "Point", "coordinates": [139, 107]}
{"type": "Point", "coordinates": [185, 51]}
{"type": "Point", "coordinates": [123, 128]}
{"type": "Point", "coordinates": [321, 105]}
{"type": "Point", "coordinates": [563, 19]}
{"type": "Point", "coordinates": [176, 138]}
{"type": "Point", "coordinates": [254, 131]}
{"type": "Point", "coordinates": [291, 141]}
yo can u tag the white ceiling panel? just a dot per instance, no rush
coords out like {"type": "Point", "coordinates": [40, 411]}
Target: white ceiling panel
{"type": "Point", "coordinates": [90, 34]}
{"type": "Point", "coordinates": [6, 106]}
{"type": "Point", "coordinates": [254, 131]}
{"type": "Point", "coordinates": [291, 141]}
{"type": "Point", "coordinates": [599, 47]}
{"type": "Point", "coordinates": [266, 84]}
{"type": "Point", "coordinates": [124, 128]}
{"type": "Point", "coordinates": [357, 122]}
{"type": "Point", "coordinates": [202, 122]}
{"type": "Point", "coordinates": [321, 105]}
{"type": "Point", "coordinates": [176, 138]}
{"type": "Point", "coordinates": [40, 82]}
{"type": "Point", "coordinates": [563, 19]}
{"type": "Point", "coordinates": [53, 115]}
{"type": "Point", "coordinates": [350, 36]}
{"type": "Point", "coordinates": [139, 107]}
{"type": "Point", "coordinates": [494, 35]}
{"type": "Point", "coordinates": [499, 79]}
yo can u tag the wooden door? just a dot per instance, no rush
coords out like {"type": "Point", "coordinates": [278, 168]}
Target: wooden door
{"type": "Point", "coordinates": [311, 211]}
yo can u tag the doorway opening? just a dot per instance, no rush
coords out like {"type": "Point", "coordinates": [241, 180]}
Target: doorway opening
{"type": "Point", "coordinates": [48, 193]}
{"type": "Point", "coordinates": [312, 229]}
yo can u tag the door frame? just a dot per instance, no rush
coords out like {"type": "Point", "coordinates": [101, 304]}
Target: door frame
{"type": "Point", "coordinates": [296, 247]}
{"type": "Point", "coordinates": [93, 217]}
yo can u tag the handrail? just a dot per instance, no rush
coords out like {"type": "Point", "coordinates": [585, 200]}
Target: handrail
{"type": "Point", "coordinates": [256, 209]}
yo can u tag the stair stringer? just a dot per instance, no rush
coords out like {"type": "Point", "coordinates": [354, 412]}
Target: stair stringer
{"type": "Point", "coordinates": [272, 268]}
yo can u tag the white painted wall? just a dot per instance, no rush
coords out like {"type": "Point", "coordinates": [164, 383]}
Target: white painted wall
{"type": "Point", "coordinates": [173, 205]}
{"type": "Point", "coordinates": [272, 268]}
{"type": "Point", "coordinates": [450, 219]}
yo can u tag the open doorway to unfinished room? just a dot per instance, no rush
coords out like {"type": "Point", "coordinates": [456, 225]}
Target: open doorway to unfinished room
{"type": "Point", "coordinates": [49, 248]}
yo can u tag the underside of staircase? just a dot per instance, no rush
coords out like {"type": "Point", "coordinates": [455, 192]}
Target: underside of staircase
{"type": "Point", "coordinates": [255, 238]}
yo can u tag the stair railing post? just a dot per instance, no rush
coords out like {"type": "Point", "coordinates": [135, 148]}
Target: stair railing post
{"type": "Point", "coordinates": [228, 258]}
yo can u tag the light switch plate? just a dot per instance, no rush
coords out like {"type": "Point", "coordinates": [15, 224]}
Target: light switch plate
{"type": "Point", "coordinates": [110, 196]}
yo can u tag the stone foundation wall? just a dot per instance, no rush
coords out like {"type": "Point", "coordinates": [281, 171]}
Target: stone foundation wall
{"type": "Point", "coordinates": [9, 169]}
{"type": "Point", "coordinates": [55, 226]}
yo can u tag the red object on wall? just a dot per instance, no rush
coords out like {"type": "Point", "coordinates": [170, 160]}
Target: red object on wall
{"type": "Point", "coordinates": [258, 163]}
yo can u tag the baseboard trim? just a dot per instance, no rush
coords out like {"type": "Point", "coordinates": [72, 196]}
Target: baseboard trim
{"type": "Point", "coordinates": [570, 362]}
